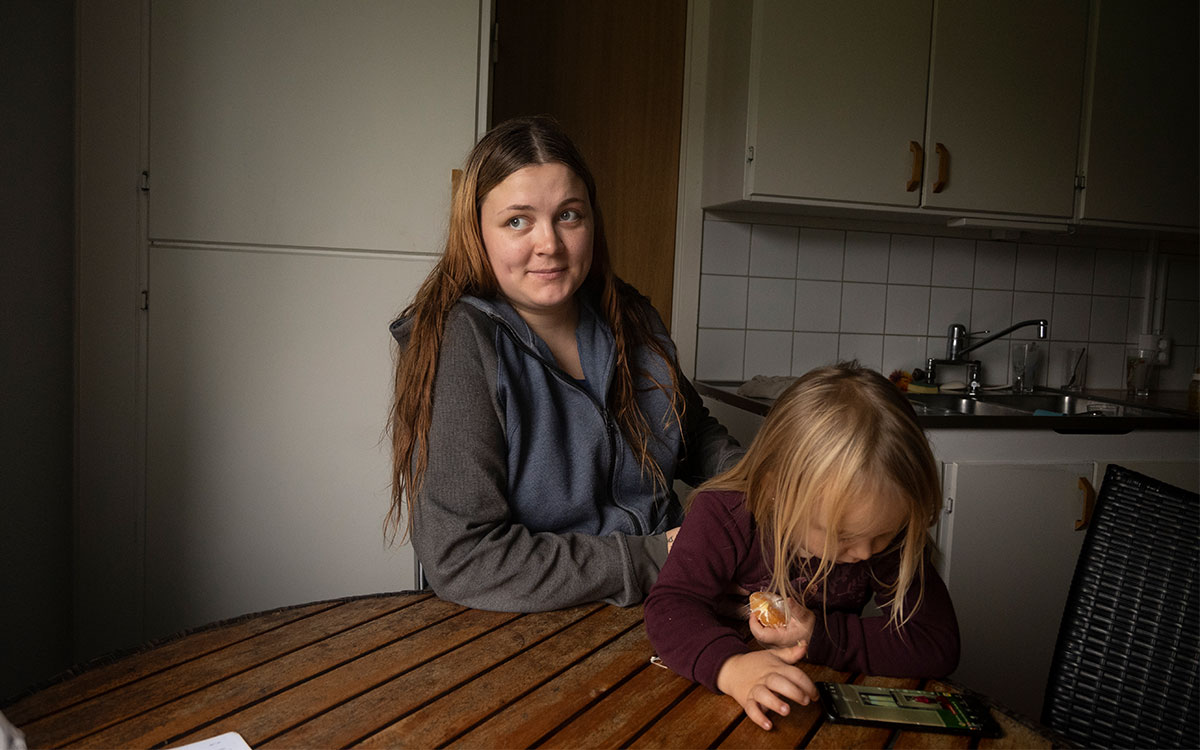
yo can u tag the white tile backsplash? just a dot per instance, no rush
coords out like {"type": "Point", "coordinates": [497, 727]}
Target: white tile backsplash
{"type": "Point", "coordinates": [864, 308]}
{"type": "Point", "coordinates": [991, 310]}
{"type": "Point", "coordinates": [946, 307]}
{"type": "Point", "coordinates": [910, 260]}
{"type": "Point", "coordinates": [771, 305]}
{"type": "Point", "coordinates": [818, 306]}
{"type": "Point", "coordinates": [811, 350]}
{"type": "Point", "coordinates": [868, 350]}
{"type": "Point", "coordinates": [1113, 270]}
{"type": "Point", "coordinates": [1074, 270]}
{"type": "Point", "coordinates": [773, 251]}
{"type": "Point", "coordinates": [866, 256]}
{"type": "Point", "coordinates": [720, 354]}
{"type": "Point", "coordinates": [995, 265]}
{"type": "Point", "coordinates": [768, 353]}
{"type": "Point", "coordinates": [907, 310]}
{"type": "Point", "coordinates": [821, 254]}
{"type": "Point", "coordinates": [1072, 317]}
{"type": "Point", "coordinates": [1109, 315]}
{"type": "Point", "coordinates": [722, 301]}
{"type": "Point", "coordinates": [776, 299]}
{"type": "Point", "coordinates": [953, 262]}
{"type": "Point", "coordinates": [727, 246]}
{"type": "Point", "coordinates": [1035, 268]}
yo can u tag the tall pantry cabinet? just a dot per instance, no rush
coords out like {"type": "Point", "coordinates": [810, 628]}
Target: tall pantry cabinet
{"type": "Point", "coordinates": [262, 187]}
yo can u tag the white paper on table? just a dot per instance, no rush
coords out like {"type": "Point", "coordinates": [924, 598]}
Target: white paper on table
{"type": "Point", "coordinates": [227, 741]}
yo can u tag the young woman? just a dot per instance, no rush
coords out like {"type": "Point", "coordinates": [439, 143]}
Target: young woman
{"type": "Point", "coordinates": [830, 506]}
{"type": "Point", "coordinates": [540, 418]}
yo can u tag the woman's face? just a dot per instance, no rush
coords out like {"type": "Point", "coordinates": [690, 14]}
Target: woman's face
{"type": "Point", "coordinates": [537, 230]}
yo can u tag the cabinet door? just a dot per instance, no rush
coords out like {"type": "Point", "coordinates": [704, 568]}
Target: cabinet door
{"type": "Point", "coordinates": [1009, 549]}
{"type": "Point", "coordinates": [837, 93]}
{"type": "Point", "coordinates": [316, 124]}
{"type": "Point", "coordinates": [267, 470]}
{"type": "Point", "coordinates": [1005, 94]}
{"type": "Point", "coordinates": [1141, 158]}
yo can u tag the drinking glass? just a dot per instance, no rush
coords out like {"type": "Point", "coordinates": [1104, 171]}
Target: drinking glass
{"type": "Point", "coordinates": [1075, 368]}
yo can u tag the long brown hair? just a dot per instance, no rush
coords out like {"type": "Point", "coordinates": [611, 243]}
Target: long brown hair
{"type": "Point", "coordinates": [837, 436]}
{"type": "Point", "coordinates": [464, 268]}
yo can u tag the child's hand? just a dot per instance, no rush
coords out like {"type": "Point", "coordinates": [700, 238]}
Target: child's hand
{"type": "Point", "coordinates": [799, 627]}
{"type": "Point", "coordinates": [761, 681]}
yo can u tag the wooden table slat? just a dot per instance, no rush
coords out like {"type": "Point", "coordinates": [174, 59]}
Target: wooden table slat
{"type": "Point", "coordinates": [263, 720]}
{"type": "Point", "coordinates": [110, 708]}
{"type": "Point", "coordinates": [623, 713]}
{"type": "Point", "coordinates": [178, 717]}
{"type": "Point", "coordinates": [786, 731]}
{"type": "Point", "coordinates": [699, 720]}
{"type": "Point", "coordinates": [381, 706]}
{"type": "Point", "coordinates": [143, 662]}
{"type": "Point", "coordinates": [450, 716]}
{"type": "Point", "coordinates": [538, 714]}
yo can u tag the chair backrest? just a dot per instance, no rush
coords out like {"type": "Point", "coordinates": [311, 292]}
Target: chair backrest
{"type": "Point", "coordinates": [1127, 664]}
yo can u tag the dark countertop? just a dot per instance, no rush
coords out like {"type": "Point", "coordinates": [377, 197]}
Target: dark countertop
{"type": "Point", "coordinates": [1171, 405]}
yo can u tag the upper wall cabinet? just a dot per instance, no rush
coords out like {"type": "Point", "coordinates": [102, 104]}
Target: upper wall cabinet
{"type": "Point", "coordinates": [959, 108]}
{"type": "Point", "coordinates": [309, 124]}
{"type": "Point", "coordinates": [1005, 91]}
{"type": "Point", "coordinates": [1141, 157]}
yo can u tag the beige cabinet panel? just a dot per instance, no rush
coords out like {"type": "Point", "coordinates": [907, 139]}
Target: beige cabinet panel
{"type": "Point", "coordinates": [1010, 547]}
{"type": "Point", "coordinates": [267, 469]}
{"type": "Point", "coordinates": [326, 123]}
{"type": "Point", "coordinates": [1142, 158]}
{"type": "Point", "coordinates": [837, 94]}
{"type": "Point", "coordinates": [1005, 95]}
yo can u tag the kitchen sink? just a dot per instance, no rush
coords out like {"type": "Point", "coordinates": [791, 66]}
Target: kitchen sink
{"type": "Point", "coordinates": [1026, 404]}
{"type": "Point", "coordinates": [949, 403]}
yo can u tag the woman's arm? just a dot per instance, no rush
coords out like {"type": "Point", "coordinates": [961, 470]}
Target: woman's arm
{"type": "Point", "coordinates": [926, 646]}
{"type": "Point", "coordinates": [708, 447]}
{"type": "Point", "coordinates": [472, 552]}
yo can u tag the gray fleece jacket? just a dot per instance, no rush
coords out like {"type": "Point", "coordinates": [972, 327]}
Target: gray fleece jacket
{"type": "Point", "coordinates": [532, 499]}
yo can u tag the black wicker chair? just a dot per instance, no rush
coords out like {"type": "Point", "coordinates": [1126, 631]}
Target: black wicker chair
{"type": "Point", "coordinates": [1127, 664]}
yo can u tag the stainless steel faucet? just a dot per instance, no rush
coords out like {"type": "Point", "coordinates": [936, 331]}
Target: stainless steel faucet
{"type": "Point", "coordinates": [956, 338]}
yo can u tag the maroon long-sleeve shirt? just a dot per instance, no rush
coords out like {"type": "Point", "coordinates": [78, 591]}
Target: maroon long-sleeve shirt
{"type": "Point", "coordinates": [718, 549]}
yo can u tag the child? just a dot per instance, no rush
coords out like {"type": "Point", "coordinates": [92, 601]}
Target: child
{"type": "Point", "coordinates": [830, 506]}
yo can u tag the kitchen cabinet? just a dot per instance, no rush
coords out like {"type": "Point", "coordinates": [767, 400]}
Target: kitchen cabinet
{"type": "Point", "coordinates": [845, 104]}
{"type": "Point", "coordinates": [234, 363]}
{"type": "Point", "coordinates": [1008, 543]}
{"type": "Point", "coordinates": [1141, 158]}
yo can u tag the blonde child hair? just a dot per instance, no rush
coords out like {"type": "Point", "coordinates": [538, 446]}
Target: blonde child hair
{"type": "Point", "coordinates": [839, 435]}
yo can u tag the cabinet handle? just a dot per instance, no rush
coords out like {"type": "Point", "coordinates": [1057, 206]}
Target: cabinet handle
{"type": "Point", "coordinates": [918, 161]}
{"type": "Point", "coordinates": [1089, 503]}
{"type": "Point", "coordinates": [943, 176]}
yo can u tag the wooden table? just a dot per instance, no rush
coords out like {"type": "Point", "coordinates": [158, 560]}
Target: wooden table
{"type": "Point", "coordinates": [412, 670]}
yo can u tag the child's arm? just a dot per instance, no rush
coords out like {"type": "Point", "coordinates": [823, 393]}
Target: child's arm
{"type": "Point", "coordinates": [926, 646]}
{"type": "Point", "coordinates": [760, 680]}
{"type": "Point", "coordinates": [682, 611]}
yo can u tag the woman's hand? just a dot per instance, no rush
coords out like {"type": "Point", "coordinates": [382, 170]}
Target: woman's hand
{"type": "Point", "coordinates": [799, 627]}
{"type": "Point", "coordinates": [763, 681]}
